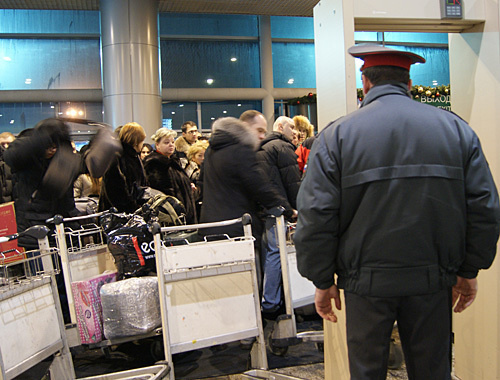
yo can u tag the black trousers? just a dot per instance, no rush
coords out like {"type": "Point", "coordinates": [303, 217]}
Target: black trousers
{"type": "Point", "coordinates": [424, 324]}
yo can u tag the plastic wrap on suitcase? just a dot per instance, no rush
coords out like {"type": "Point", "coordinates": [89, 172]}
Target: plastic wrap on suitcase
{"type": "Point", "coordinates": [130, 307]}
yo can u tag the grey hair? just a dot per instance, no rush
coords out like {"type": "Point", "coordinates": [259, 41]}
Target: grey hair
{"type": "Point", "coordinates": [283, 120]}
{"type": "Point", "coordinates": [163, 132]}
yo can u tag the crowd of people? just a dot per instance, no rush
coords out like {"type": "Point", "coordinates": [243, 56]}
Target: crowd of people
{"type": "Point", "coordinates": [396, 204]}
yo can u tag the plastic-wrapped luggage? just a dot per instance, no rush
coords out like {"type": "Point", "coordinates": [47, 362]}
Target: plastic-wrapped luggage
{"type": "Point", "coordinates": [130, 307]}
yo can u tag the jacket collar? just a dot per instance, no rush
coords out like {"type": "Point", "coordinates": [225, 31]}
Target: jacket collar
{"type": "Point", "coordinates": [391, 88]}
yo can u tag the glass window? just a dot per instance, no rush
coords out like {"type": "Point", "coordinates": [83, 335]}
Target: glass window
{"type": "Point", "coordinates": [30, 64]}
{"type": "Point", "coordinates": [292, 27]}
{"type": "Point", "coordinates": [294, 65]}
{"type": "Point", "coordinates": [206, 64]}
{"type": "Point", "coordinates": [208, 24]}
{"type": "Point", "coordinates": [366, 36]}
{"type": "Point", "coordinates": [434, 72]}
{"type": "Point", "coordinates": [14, 117]}
{"type": "Point", "coordinates": [176, 114]}
{"type": "Point", "coordinates": [436, 38]}
{"type": "Point", "coordinates": [48, 21]}
{"type": "Point", "coordinates": [210, 111]}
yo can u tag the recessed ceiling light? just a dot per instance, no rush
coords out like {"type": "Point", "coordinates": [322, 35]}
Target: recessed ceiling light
{"type": "Point", "coordinates": [12, 121]}
{"type": "Point", "coordinates": [210, 81]}
{"type": "Point", "coordinates": [8, 59]}
{"type": "Point", "coordinates": [224, 111]}
{"type": "Point", "coordinates": [239, 104]}
{"type": "Point", "coordinates": [52, 107]}
{"type": "Point", "coordinates": [27, 81]}
{"type": "Point", "coordinates": [290, 81]}
{"type": "Point", "coordinates": [234, 59]}
{"type": "Point", "coordinates": [173, 112]}
{"type": "Point", "coordinates": [212, 118]}
{"type": "Point", "coordinates": [181, 105]}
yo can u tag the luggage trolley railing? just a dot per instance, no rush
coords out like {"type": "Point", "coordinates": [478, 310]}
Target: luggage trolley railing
{"type": "Point", "coordinates": [297, 291]}
{"type": "Point", "coordinates": [84, 254]}
{"type": "Point", "coordinates": [31, 321]}
{"type": "Point", "coordinates": [208, 291]}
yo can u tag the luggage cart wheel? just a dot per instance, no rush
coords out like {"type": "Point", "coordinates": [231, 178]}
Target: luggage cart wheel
{"type": "Point", "coordinates": [320, 346]}
{"type": "Point", "coordinates": [157, 351]}
{"type": "Point", "coordinates": [396, 356]}
{"type": "Point", "coordinates": [278, 351]}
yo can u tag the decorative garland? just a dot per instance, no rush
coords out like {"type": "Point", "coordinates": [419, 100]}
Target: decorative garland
{"type": "Point", "coordinates": [416, 92]}
{"type": "Point", "coordinates": [307, 99]}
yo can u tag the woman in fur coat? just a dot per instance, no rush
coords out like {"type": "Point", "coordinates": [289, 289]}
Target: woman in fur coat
{"type": "Point", "coordinates": [164, 172]}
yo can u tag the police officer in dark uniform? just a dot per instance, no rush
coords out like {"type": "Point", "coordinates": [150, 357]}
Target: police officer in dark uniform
{"type": "Point", "coordinates": [399, 203]}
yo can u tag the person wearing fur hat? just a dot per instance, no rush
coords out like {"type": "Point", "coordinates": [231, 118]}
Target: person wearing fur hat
{"type": "Point", "coordinates": [164, 172]}
{"type": "Point", "coordinates": [398, 207]}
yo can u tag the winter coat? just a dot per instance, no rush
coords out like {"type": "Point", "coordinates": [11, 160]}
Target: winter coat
{"type": "Point", "coordinates": [166, 175]}
{"type": "Point", "coordinates": [5, 179]}
{"type": "Point", "coordinates": [232, 181]}
{"type": "Point", "coordinates": [122, 185]}
{"type": "Point", "coordinates": [397, 200]}
{"type": "Point", "coordinates": [34, 203]}
{"type": "Point", "coordinates": [303, 153]}
{"type": "Point", "coordinates": [278, 159]}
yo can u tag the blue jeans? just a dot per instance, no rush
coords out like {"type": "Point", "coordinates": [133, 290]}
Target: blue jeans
{"type": "Point", "coordinates": [271, 293]}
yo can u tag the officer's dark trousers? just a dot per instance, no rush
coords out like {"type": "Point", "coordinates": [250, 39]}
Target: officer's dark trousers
{"type": "Point", "coordinates": [424, 329]}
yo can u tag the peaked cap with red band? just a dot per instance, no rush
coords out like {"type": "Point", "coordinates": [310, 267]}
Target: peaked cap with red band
{"type": "Point", "coordinates": [376, 55]}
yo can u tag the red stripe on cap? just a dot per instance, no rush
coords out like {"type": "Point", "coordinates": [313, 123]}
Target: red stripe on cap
{"type": "Point", "coordinates": [387, 60]}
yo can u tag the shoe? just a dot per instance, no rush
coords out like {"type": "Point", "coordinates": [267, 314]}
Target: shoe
{"type": "Point", "coordinates": [246, 344]}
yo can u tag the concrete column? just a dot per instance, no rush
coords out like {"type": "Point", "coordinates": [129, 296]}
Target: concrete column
{"type": "Point", "coordinates": [335, 71]}
{"type": "Point", "coordinates": [130, 63]}
{"type": "Point", "coordinates": [266, 68]}
{"type": "Point", "coordinates": [336, 90]}
{"type": "Point", "coordinates": [475, 88]}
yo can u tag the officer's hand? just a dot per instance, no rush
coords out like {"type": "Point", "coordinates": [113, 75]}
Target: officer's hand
{"type": "Point", "coordinates": [465, 291]}
{"type": "Point", "coordinates": [323, 302]}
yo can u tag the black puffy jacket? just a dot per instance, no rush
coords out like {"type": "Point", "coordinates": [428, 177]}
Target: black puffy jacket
{"type": "Point", "coordinates": [278, 159]}
{"type": "Point", "coordinates": [232, 181]}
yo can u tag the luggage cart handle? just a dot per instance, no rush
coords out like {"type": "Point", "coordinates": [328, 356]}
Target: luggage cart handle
{"type": "Point", "coordinates": [58, 219]}
{"type": "Point", "coordinates": [36, 232]}
{"type": "Point", "coordinates": [246, 219]}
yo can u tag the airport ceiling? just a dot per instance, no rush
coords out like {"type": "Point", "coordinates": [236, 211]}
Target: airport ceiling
{"type": "Point", "coordinates": [254, 7]}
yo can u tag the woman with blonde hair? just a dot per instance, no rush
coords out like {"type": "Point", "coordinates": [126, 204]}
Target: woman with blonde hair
{"type": "Point", "coordinates": [195, 155]}
{"type": "Point", "coordinates": [164, 172]}
{"type": "Point", "coordinates": [124, 181]}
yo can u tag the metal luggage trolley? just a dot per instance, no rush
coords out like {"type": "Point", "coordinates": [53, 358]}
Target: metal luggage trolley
{"type": "Point", "coordinates": [208, 291]}
{"type": "Point", "coordinates": [84, 254]}
{"type": "Point", "coordinates": [298, 292]}
{"type": "Point", "coordinates": [31, 322]}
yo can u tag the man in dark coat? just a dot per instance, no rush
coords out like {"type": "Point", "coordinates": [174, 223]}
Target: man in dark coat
{"type": "Point", "coordinates": [398, 201]}
{"type": "Point", "coordinates": [277, 158]}
{"type": "Point", "coordinates": [232, 181]}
